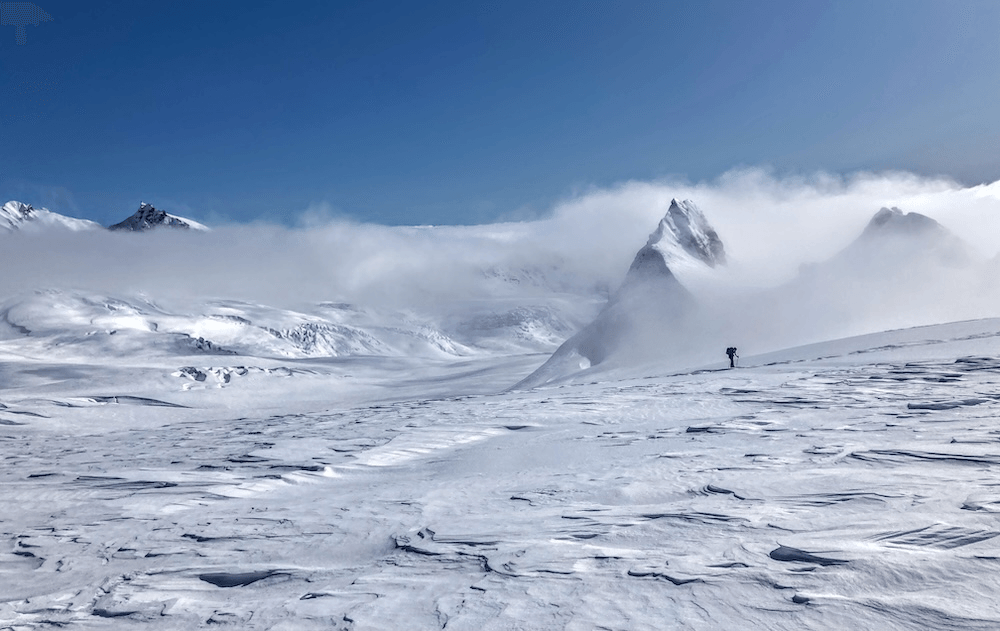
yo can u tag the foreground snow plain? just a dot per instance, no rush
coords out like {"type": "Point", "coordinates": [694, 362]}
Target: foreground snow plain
{"type": "Point", "coordinates": [848, 484]}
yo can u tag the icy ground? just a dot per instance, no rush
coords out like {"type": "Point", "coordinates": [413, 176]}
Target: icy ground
{"type": "Point", "coordinates": [851, 484]}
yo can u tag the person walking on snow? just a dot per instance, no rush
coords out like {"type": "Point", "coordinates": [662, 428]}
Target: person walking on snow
{"type": "Point", "coordinates": [731, 351]}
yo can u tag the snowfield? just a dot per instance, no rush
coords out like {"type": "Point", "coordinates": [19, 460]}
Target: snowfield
{"type": "Point", "coordinates": [849, 484]}
{"type": "Point", "coordinates": [494, 427]}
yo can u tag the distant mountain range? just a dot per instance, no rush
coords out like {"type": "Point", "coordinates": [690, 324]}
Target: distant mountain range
{"type": "Point", "coordinates": [676, 302]}
{"type": "Point", "coordinates": [16, 216]}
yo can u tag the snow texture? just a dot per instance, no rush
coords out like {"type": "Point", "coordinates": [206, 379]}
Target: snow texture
{"type": "Point", "coordinates": [842, 485]}
{"type": "Point", "coordinates": [348, 466]}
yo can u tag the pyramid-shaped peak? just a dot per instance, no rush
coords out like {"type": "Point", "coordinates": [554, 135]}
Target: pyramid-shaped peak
{"type": "Point", "coordinates": [149, 217]}
{"type": "Point", "coordinates": [684, 230]}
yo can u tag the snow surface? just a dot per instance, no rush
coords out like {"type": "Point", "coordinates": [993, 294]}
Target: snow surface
{"type": "Point", "coordinates": [848, 484]}
{"type": "Point", "coordinates": [188, 463]}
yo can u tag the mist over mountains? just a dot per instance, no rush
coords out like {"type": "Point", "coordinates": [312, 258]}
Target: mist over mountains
{"type": "Point", "coordinates": [220, 405]}
{"type": "Point", "coordinates": [768, 263]}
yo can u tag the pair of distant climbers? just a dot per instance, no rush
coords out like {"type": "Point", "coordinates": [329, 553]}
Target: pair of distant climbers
{"type": "Point", "coordinates": [731, 351]}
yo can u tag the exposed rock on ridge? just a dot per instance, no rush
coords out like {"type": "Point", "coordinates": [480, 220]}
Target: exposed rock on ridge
{"type": "Point", "coordinates": [148, 217]}
{"type": "Point", "coordinates": [15, 216]}
{"type": "Point", "coordinates": [684, 229]}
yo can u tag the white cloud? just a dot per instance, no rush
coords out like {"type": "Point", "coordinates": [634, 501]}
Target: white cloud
{"type": "Point", "coordinates": [770, 225]}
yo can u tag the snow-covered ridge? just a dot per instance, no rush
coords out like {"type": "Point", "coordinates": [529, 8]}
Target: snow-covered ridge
{"type": "Point", "coordinates": [148, 217]}
{"type": "Point", "coordinates": [15, 215]}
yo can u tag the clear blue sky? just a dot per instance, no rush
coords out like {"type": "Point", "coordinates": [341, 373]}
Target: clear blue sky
{"type": "Point", "coordinates": [465, 112]}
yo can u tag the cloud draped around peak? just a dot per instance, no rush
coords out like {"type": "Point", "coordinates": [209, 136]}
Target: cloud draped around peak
{"type": "Point", "coordinates": [770, 225]}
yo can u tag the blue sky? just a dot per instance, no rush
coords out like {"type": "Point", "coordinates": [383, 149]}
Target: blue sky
{"type": "Point", "coordinates": [463, 112]}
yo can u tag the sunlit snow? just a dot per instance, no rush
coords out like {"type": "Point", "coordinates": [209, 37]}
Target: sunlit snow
{"type": "Point", "coordinates": [470, 432]}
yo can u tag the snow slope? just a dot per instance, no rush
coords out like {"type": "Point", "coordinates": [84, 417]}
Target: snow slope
{"type": "Point", "coordinates": [684, 234]}
{"type": "Point", "coordinates": [15, 216]}
{"type": "Point", "coordinates": [845, 485]}
{"type": "Point", "coordinates": [340, 466]}
{"type": "Point", "coordinates": [74, 325]}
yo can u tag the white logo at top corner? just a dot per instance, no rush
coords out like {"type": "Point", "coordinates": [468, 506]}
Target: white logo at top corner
{"type": "Point", "coordinates": [20, 15]}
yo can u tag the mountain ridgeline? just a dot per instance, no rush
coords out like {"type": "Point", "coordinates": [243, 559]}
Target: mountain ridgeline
{"type": "Point", "coordinates": [149, 218]}
{"type": "Point", "coordinates": [678, 303]}
{"type": "Point", "coordinates": [17, 216]}
{"type": "Point", "coordinates": [904, 269]}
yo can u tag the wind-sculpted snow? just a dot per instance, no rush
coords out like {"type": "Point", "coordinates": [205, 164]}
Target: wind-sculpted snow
{"type": "Point", "coordinates": [66, 324]}
{"type": "Point", "coordinates": [802, 491]}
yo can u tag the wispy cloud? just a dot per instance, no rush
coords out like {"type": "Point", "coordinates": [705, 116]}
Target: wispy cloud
{"type": "Point", "coordinates": [770, 226]}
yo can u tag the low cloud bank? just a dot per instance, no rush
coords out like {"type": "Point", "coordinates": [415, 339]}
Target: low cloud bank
{"type": "Point", "coordinates": [770, 225]}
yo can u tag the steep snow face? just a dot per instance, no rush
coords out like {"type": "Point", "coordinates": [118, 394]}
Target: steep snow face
{"type": "Point", "coordinates": [148, 217]}
{"type": "Point", "coordinates": [16, 215]}
{"type": "Point", "coordinates": [642, 320]}
{"type": "Point", "coordinates": [685, 233]}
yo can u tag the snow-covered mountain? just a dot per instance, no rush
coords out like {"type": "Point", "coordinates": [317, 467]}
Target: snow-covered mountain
{"type": "Point", "coordinates": [645, 317]}
{"type": "Point", "coordinates": [148, 217]}
{"type": "Point", "coordinates": [16, 215]}
{"type": "Point", "coordinates": [903, 269]}
{"type": "Point", "coordinates": [685, 234]}
{"type": "Point", "coordinates": [905, 239]}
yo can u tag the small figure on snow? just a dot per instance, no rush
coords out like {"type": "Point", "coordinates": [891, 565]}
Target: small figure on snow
{"type": "Point", "coordinates": [731, 351]}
